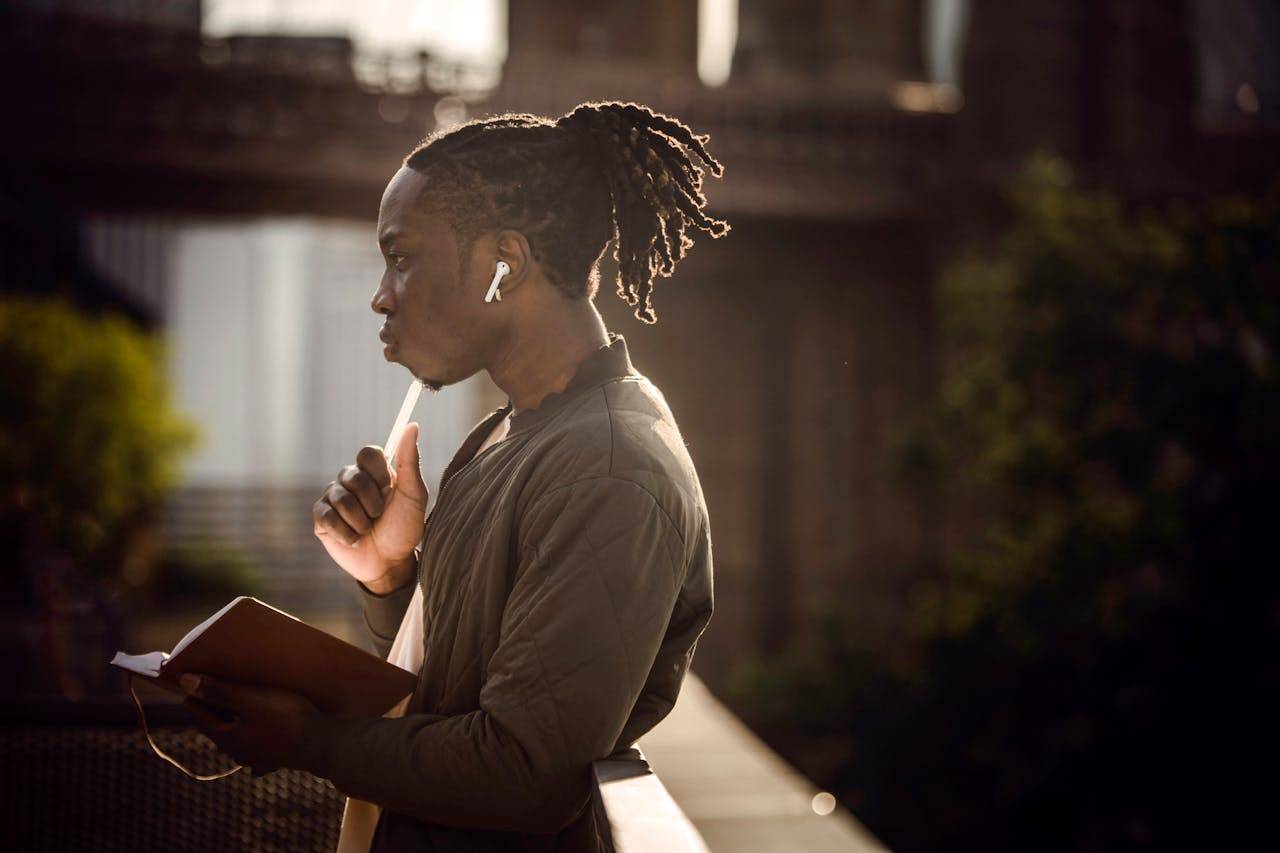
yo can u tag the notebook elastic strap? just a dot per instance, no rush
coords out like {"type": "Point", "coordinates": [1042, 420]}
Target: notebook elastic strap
{"type": "Point", "coordinates": [142, 718]}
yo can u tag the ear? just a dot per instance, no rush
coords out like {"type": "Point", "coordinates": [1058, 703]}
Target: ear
{"type": "Point", "coordinates": [513, 247]}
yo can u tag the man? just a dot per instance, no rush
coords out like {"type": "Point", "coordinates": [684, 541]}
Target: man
{"type": "Point", "coordinates": [565, 572]}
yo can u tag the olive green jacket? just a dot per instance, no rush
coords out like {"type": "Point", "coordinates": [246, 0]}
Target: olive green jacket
{"type": "Point", "coordinates": [567, 577]}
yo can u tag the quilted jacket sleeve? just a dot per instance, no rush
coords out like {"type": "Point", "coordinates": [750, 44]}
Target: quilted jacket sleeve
{"type": "Point", "coordinates": [600, 568]}
{"type": "Point", "coordinates": [383, 614]}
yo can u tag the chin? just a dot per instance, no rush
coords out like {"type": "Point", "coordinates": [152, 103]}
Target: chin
{"type": "Point", "coordinates": [428, 382]}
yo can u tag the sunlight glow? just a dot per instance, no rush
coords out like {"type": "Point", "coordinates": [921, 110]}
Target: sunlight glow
{"type": "Point", "coordinates": [470, 31]}
{"type": "Point", "coordinates": [717, 36]}
{"type": "Point", "coordinates": [823, 803]}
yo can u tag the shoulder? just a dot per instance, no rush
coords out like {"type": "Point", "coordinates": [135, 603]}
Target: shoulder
{"type": "Point", "coordinates": [625, 432]}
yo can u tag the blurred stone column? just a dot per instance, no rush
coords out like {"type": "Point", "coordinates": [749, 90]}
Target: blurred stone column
{"type": "Point", "coordinates": [850, 47]}
{"type": "Point", "coordinates": [1107, 84]}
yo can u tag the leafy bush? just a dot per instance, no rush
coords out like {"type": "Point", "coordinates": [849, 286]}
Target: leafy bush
{"type": "Point", "coordinates": [1099, 658]}
{"type": "Point", "coordinates": [89, 437]}
{"type": "Point", "coordinates": [204, 570]}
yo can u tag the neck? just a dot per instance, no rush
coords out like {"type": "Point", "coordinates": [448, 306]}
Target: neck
{"type": "Point", "coordinates": [543, 356]}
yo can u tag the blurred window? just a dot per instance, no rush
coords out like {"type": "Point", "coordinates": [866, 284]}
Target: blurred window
{"type": "Point", "coordinates": [1238, 47]}
{"type": "Point", "coordinates": [946, 23]}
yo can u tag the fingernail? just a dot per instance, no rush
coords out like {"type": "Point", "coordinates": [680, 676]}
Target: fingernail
{"type": "Point", "coordinates": [189, 682]}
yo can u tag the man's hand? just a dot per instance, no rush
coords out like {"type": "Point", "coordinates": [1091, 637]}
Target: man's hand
{"type": "Point", "coordinates": [266, 730]}
{"type": "Point", "coordinates": [370, 518]}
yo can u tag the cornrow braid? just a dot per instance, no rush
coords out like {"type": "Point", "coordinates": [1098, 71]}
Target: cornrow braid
{"type": "Point", "coordinates": [544, 178]}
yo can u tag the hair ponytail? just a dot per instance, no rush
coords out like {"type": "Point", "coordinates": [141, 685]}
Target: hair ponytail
{"type": "Point", "coordinates": [656, 189]}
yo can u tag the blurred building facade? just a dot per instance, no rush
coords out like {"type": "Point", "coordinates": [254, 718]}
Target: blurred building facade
{"type": "Point", "coordinates": [792, 351]}
{"type": "Point", "coordinates": [181, 179]}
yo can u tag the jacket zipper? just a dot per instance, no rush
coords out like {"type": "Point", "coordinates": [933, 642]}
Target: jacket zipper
{"type": "Point", "coordinates": [444, 486]}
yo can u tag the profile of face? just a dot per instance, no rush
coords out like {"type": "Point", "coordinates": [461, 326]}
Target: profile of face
{"type": "Point", "coordinates": [435, 324]}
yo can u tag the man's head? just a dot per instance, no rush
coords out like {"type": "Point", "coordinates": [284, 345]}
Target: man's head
{"type": "Point", "coordinates": [546, 197]}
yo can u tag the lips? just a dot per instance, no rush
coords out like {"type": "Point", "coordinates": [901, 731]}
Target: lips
{"type": "Point", "coordinates": [387, 338]}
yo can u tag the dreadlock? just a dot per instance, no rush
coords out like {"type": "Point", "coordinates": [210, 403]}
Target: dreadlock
{"type": "Point", "coordinates": [604, 171]}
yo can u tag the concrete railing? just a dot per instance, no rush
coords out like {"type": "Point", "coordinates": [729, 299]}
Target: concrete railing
{"type": "Point", "coordinates": [635, 813]}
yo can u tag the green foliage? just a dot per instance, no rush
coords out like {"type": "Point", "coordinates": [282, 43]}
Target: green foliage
{"type": "Point", "coordinates": [205, 570]}
{"type": "Point", "coordinates": [88, 436]}
{"type": "Point", "coordinates": [1110, 374]}
{"type": "Point", "coordinates": [1103, 646]}
{"type": "Point", "coordinates": [795, 689]}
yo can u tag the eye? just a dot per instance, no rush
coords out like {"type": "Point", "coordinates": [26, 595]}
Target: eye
{"type": "Point", "coordinates": [397, 260]}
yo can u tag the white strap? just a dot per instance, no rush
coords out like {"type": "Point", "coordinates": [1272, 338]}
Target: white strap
{"type": "Point", "coordinates": [142, 718]}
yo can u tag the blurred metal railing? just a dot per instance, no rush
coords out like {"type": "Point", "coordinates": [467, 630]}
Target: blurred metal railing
{"type": "Point", "coordinates": [79, 776]}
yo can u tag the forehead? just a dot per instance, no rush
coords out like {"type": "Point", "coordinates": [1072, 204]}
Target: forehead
{"type": "Point", "coordinates": [401, 209]}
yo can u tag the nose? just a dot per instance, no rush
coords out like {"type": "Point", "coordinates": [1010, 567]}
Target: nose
{"type": "Point", "coordinates": [384, 300]}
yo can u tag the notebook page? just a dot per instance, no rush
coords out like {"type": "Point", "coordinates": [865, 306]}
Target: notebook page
{"type": "Point", "coordinates": [199, 629]}
{"type": "Point", "coordinates": [147, 665]}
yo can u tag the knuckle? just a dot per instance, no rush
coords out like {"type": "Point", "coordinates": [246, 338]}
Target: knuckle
{"type": "Point", "coordinates": [344, 500]}
{"type": "Point", "coordinates": [352, 512]}
{"type": "Point", "coordinates": [371, 458]}
{"type": "Point", "coordinates": [358, 481]}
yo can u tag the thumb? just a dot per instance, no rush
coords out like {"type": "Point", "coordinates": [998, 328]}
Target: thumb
{"type": "Point", "coordinates": [409, 480]}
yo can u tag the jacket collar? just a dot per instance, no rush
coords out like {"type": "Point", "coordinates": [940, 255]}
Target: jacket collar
{"type": "Point", "coordinates": [611, 361]}
{"type": "Point", "coordinates": [608, 362]}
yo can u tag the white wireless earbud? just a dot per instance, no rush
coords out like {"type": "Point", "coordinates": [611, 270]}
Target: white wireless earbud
{"type": "Point", "coordinates": [503, 269]}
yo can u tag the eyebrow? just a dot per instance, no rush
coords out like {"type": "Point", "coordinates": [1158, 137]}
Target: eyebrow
{"type": "Point", "coordinates": [388, 236]}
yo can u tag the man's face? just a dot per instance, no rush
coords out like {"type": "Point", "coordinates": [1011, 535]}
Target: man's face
{"type": "Point", "coordinates": [435, 323]}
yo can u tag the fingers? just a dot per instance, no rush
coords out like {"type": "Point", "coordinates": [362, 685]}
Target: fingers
{"type": "Point", "coordinates": [216, 692]}
{"type": "Point", "coordinates": [373, 462]}
{"type": "Point", "coordinates": [338, 514]}
{"type": "Point", "coordinates": [247, 737]}
{"type": "Point", "coordinates": [363, 486]}
{"type": "Point", "coordinates": [407, 448]}
{"type": "Point", "coordinates": [350, 504]}
{"type": "Point", "coordinates": [409, 480]}
{"type": "Point", "coordinates": [349, 509]}
{"type": "Point", "coordinates": [207, 720]}
{"type": "Point", "coordinates": [219, 694]}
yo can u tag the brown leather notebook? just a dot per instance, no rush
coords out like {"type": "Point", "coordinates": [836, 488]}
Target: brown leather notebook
{"type": "Point", "coordinates": [254, 643]}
